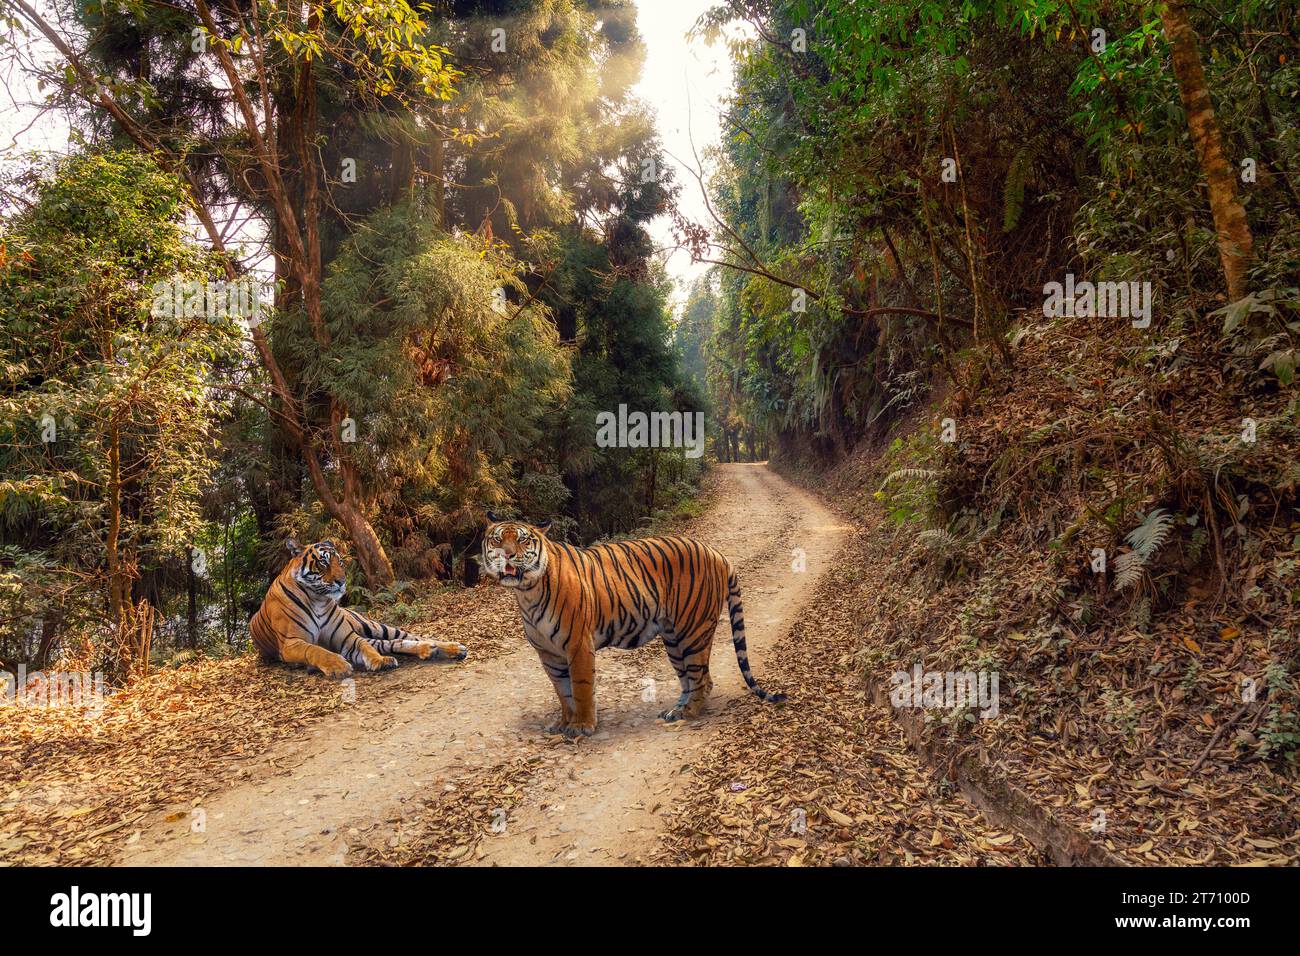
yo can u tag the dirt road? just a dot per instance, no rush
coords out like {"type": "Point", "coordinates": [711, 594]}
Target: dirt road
{"type": "Point", "coordinates": [601, 801]}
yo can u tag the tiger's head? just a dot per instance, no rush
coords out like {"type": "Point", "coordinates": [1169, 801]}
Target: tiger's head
{"type": "Point", "coordinates": [514, 553]}
{"type": "Point", "coordinates": [319, 569]}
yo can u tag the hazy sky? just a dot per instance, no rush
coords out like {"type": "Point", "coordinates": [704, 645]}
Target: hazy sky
{"type": "Point", "coordinates": [682, 79]}
{"type": "Point", "coordinates": [21, 125]}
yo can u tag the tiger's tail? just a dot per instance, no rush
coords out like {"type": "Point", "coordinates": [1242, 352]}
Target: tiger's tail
{"type": "Point", "coordinates": [736, 610]}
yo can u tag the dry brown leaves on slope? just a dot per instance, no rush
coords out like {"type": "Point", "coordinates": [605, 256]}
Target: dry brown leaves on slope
{"type": "Point", "coordinates": [1121, 711]}
{"type": "Point", "coordinates": [826, 778]}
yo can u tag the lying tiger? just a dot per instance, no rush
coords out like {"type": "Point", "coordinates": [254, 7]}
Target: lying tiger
{"type": "Point", "coordinates": [575, 601]}
{"type": "Point", "coordinates": [300, 621]}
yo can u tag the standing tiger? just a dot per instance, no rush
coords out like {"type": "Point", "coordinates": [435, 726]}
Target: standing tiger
{"type": "Point", "coordinates": [300, 621]}
{"type": "Point", "coordinates": [575, 601]}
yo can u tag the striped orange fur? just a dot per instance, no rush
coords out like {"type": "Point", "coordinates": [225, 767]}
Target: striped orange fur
{"type": "Point", "coordinates": [301, 622]}
{"type": "Point", "coordinates": [575, 601]}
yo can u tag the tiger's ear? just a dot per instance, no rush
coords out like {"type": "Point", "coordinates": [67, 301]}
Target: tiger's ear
{"type": "Point", "coordinates": [493, 517]}
{"type": "Point", "coordinates": [292, 547]}
{"type": "Point", "coordinates": [542, 526]}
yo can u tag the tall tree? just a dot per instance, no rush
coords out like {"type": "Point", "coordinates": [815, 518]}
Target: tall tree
{"type": "Point", "coordinates": [1236, 244]}
{"type": "Point", "coordinates": [107, 386]}
{"type": "Point", "coordinates": [273, 58]}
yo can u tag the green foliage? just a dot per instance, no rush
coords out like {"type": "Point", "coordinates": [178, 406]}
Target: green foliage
{"type": "Point", "coordinates": [108, 442]}
{"type": "Point", "coordinates": [1013, 191]}
{"type": "Point", "coordinates": [832, 179]}
{"type": "Point", "coordinates": [1121, 713]}
{"type": "Point", "coordinates": [1067, 154]}
{"type": "Point", "coordinates": [389, 36]}
{"type": "Point", "coordinates": [470, 376]}
{"type": "Point", "coordinates": [544, 124]}
{"type": "Point", "coordinates": [1130, 110]}
{"type": "Point", "coordinates": [1280, 734]}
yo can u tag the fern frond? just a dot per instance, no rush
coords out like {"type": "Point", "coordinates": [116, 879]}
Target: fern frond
{"type": "Point", "coordinates": [1038, 434]}
{"type": "Point", "coordinates": [1013, 192]}
{"type": "Point", "coordinates": [939, 540]}
{"type": "Point", "coordinates": [1128, 570]}
{"type": "Point", "coordinates": [1147, 537]}
{"type": "Point", "coordinates": [909, 474]}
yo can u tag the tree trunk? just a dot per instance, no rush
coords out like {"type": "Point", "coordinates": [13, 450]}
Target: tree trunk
{"type": "Point", "coordinates": [401, 175]}
{"type": "Point", "coordinates": [298, 126]}
{"type": "Point", "coordinates": [229, 569]}
{"type": "Point", "coordinates": [437, 164]}
{"type": "Point", "coordinates": [1236, 245]}
{"type": "Point", "coordinates": [650, 484]}
{"type": "Point", "coordinates": [119, 578]}
{"type": "Point", "coordinates": [370, 552]}
{"type": "Point", "coordinates": [50, 628]}
{"type": "Point", "coordinates": [192, 603]}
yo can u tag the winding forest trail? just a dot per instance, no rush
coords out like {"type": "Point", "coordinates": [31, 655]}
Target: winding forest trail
{"type": "Point", "coordinates": [601, 801]}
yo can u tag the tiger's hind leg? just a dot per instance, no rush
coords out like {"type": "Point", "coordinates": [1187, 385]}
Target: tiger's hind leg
{"type": "Point", "coordinates": [424, 649]}
{"type": "Point", "coordinates": [372, 659]}
{"type": "Point", "coordinates": [393, 640]}
{"type": "Point", "coordinates": [363, 655]}
{"type": "Point", "coordinates": [342, 636]}
{"type": "Point", "coordinates": [690, 659]}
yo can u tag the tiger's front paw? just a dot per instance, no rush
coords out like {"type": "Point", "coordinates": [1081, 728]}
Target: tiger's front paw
{"type": "Point", "coordinates": [573, 731]}
{"type": "Point", "coordinates": [335, 669]}
{"type": "Point", "coordinates": [672, 715]}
